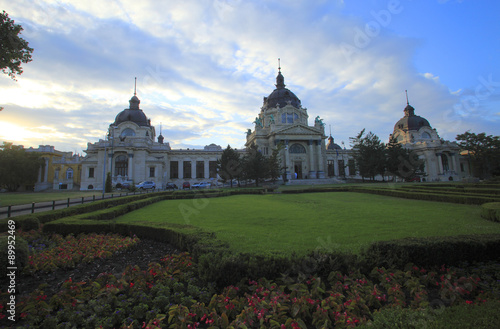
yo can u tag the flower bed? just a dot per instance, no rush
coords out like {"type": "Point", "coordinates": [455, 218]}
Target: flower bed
{"type": "Point", "coordinates": [168, 294]}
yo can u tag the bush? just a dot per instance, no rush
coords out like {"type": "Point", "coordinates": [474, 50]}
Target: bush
{"type": "Point", "coordinates": [21, 254]}
{"type": "Point", "coordinates": [491, 211]}
{"type": "Point", "coordinates": [432, 251]}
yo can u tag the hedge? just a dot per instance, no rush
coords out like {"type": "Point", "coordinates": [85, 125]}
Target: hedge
{"type": "Point", "coordinates": [491, 211]}
{"type": "Point", "coordinates": [432, 251]}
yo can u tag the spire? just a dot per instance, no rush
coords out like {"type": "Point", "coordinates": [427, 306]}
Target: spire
{"type": "Point", "coordinates": [409, 110]}
{"type": "Point", "coordinates": [280, 80]}
{"type": "Point", "coordinates": [135, 87]}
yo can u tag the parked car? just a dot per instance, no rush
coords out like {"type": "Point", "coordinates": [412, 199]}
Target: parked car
{"type": "Point", "coordinates": [205, 185]}
{"type": "Point", "coordinates": [125, 186]}
{"type": "Point", "coordinates": [146, 185]}
{"type": "Point", "coordinates": [171, 186]}
{"type": "Point", "coordinates": [186, 185]}
{"type": "Point", "coordinates": [413, 179]}
{"type": "Point", "coordinates": [196, 185]}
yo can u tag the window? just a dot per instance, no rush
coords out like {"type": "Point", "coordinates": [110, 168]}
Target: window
{"type": "Point", "coordinates": [152, 171]}
{"type": "Point", "coordinates": [121, 165]}
{"type": "Point", "coordinates": [341, 167]}
{"type": "Point", "coordinates": [289, 117]}
{"type": "Point", "coordinates": [212, 169]}
{"type": "Point", "coordinates": [444, 159]}
{"type": "Point", "coordinates": [352, 167]}
{"type": "Point", "coordinates": [174, 169]}
{"type": "Point", "coordinates": [69, 173]}
{"type": "Point", "coordinates": [297, 148]}
{"type": "Point", "coordinates": [56, 174]}
{"type": "Point", "coordinates": [186, 168]}
{"type": "Point", "coordinates": [127, 132]}
{"type": "Point", "coordinates": [331, 168]}
{"type": "Point", "coordinates": [200, 169]}
{"type": "Point", "coordinates": [91, 172]}
{"type": "Point", "coordinates": [426, 135]}
{"type": "Point", "coordinates": [462, 168]}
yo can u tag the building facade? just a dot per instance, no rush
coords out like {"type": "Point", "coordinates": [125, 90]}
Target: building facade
{"type": "Point", "coordinates": [132, 153]}
{"type": "Point", "coordinates": [60, 170]}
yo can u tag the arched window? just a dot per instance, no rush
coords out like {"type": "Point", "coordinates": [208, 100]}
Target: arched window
{"type": "Point", "coordinates": [297, 148]}
{"type": "Point", "coordinates": [121, 165]}
{"type": "Point", "coordinates": [128, 132]}
{"type": "Point", "coordinates": [444, 160]}
{"type": "Point", "coordinates": [69, 173]}
{"type": "Point", "coordinates": [426, 135]}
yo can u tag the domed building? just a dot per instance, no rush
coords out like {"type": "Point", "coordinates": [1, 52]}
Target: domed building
{"type": "Point", "coordinates": [132, 155]}
{"type": "Point", "coordinates": [283, 120]}
{"type": "Point", "coordinates": [442, 161]}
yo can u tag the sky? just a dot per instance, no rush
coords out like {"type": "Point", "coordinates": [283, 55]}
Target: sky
{"type": "Point", "coordinates": [203, 67]}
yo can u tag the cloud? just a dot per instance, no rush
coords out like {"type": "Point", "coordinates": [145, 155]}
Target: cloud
{"type": "Point", "coordinates": [202, 68]}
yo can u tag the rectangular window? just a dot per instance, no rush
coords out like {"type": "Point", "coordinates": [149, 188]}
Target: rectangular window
{"type": "Point", "coordinates": [174, 169]}
{"type": "Point", "coordinates": [212, 169]}
{"type": "Point", "coordinates": [341, 167]}
{"type": "Point", "coordinates": [462, 168]}
{"type": "Point", "coordinates": [200, 169]}
{"type": "Point", "coordinates": [69, 173]}
{"type": "Point", "coordinates": [352, 167]}
{"type": "Point", "coordinates": [331, 168]}
{"type": "Point", "coordinates": [91, 172]}
{"type": "Point", "coordinates": [289, 118]}
{"type": "Point", "coordinates": [186, 167]}
{"type": "Point", "coordinates": [283, 118]}
{"type": "Point", "coordinates": [152, 171]}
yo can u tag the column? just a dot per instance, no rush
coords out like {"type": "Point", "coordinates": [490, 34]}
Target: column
{"type": "Point", "coordinates": [321, 165]}
{"type": "Point", "coordinates": [130, 171]}
{"type": "Point", "coordinates": [206, 169]}
{"type": "Point", "coordinates": [193, 169]}
{"type": "Point", "coordinates": [46, 175]}
{"type": "Point", "coordinates": [440, 164]}
{"type": "Point", "coordinates": [287, 162]}
{"type": "Point", "coordinates": [312, 166]}
{"type": "Point", "coordinates": [180, 169]}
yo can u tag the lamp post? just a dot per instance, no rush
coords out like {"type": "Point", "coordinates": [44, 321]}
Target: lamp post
{"type": "Point", "coordinates": [104, 168]}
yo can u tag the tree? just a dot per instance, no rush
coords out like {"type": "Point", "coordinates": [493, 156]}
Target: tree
{"type": "Point", "coordinates": [18, 167]}
{"type": "Point", "coordinates": [108, 188]}
{"type": "Point", "coordinates": [369, 154]}
{"type": "Point", "coordinates": [402, 162]}
{"type": "Point", "coordinates": [483, 151]}
{"type": "Point", "coordinates": [229, 165]}
{"type": "Point", "coordinates": [14, 50]}
{"type": "Point", "coordinates": [255, 165]}
{"type": "Point", "coordinates": [274, 163]}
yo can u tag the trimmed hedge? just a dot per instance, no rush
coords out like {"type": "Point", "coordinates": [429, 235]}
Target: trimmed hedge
{"type": "Point", "coordinates": [491, 211]}
{"type": "Point", "coordinates": [432, 251]}
{"type": "Point", "coordinates": [21, 255]}
{"type": "Point", "coordinates": [428, 196]}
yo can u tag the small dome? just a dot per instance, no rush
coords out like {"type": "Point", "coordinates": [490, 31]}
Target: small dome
{"type": "Point", "coordinates": [331, 144]}
{"type": "Point", "coordinates": [411, 121]}
{"type": "Point", "coordinates": [281, 95]}
{"type": "Point", "coordinates": [133, 114]}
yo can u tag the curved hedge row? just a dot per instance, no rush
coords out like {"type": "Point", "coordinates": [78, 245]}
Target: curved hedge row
{"type": "Point", "coordinates": [491, 211]}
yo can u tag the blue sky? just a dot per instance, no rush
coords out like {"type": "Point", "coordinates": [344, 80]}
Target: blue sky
{"type": "Point", "coordinates": [203, 67]}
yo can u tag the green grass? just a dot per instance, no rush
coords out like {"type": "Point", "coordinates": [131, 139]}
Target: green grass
{"type": "Point", "coordinates": [12, 199]}
{"type": "Point", "coordinates": [283, 223]}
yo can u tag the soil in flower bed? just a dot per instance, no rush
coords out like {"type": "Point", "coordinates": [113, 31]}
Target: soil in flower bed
{"type": "Point", "coordinates": [143, 253]}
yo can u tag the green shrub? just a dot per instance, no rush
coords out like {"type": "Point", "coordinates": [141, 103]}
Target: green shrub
{"type": "Point", "coordinates": [491, 211]}
{"type": "Point", "coordinates": [21, 254]}
{"type": "Point", "coordinates": [432, 251]}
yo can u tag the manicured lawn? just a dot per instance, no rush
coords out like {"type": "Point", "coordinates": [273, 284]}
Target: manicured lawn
{"type": "Point", "coordinates": [285, 223]}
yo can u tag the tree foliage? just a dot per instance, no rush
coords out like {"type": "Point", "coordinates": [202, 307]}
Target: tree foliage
{"type": "Point", "coordinates": [483, 152]}
{"type": "Point", "coordinates": [14, 50]}
{"type": "Point", "coordinates": [255, 164]}
{"type": "Point", "coordinates": [108, 188]}
{"type": "Point", "coordinates": [401, 162]}
{"type": "Point", "coordinates": [18, 167]}
{"type": "Point", "coordinates": [229, 165]}
{"type": "Point", "coordinates": [369, 154]}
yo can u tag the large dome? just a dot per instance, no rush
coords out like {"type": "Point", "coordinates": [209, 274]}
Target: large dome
{"type": "Point", "coordinates": [281, 96]}
{"type": "Point", "coordinates": [133, 114]}
{"type": "Point", "coordinates": [411, 121]}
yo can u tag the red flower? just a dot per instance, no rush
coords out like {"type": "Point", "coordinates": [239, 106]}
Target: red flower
{"type": "Point", "coordinates": [469, 302]}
